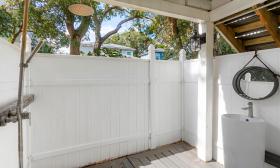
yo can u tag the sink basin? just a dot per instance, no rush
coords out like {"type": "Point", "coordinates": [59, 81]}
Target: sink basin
{"type": "Point", "coordinates": [244, 141]}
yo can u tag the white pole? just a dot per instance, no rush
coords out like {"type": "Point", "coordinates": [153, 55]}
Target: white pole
{"type": "Point", "coordinates": [205, 93]}
{"type": "Point", "coordinates": [151, 127]}
{"type": "Point", "coordinates": [182, 58]}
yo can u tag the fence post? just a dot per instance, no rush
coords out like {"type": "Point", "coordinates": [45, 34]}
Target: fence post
{"type": "Point", "coordinates": [182, 58]}
{"type": "Point", "coordinates": [152, 138]}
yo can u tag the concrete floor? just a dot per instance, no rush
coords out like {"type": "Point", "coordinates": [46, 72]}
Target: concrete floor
{"type": "Point", "coordinates": [178, 155]}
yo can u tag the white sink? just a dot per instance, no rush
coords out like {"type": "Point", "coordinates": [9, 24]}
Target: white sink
{"type": "Point", "coordinates": [244, 141]}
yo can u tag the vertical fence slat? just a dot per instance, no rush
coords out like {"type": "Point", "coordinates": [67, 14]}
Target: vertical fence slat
{"type": "Point", "coordinates": [152, 138]}
{"type": "Point", "coordinates": [182, 58]}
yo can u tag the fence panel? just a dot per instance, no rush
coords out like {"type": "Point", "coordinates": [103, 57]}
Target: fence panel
{"type": "Point", "coordinates": [9, 59]}
{"type": "Point", "coordinates": [87, 109]}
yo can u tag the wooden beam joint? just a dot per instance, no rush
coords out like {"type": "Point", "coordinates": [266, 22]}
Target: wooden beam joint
{"type": "Point", "coordinates": [229, 34]}
{"type": "Point", "coordinates": [270, 22]}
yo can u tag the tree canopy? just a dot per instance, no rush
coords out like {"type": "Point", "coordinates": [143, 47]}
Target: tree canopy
{"type": "Point", "coordinates": [133, 39]}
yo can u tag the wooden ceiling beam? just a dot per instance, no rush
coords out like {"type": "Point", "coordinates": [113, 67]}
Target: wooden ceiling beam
{"type": "Point", "coordinates": [248, 27]}
{"type": "Point", "coordinates": [229, 34]}
{"type": "Point", "coordinates": [270, 22]}
{"type": "Point", "coordinates": [260, 40]}
{"type": "Point", "coordinates": [251, 26]}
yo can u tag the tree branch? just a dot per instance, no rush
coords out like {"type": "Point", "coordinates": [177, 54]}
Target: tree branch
{"type": "Point", "coordinates": [119, 26]}
{"type": "Point", "coordinates": [70, 24]}
{"type": "Point", "coordinates": [83, 28]}
{"type": "Point", "coordinates": [16, 34]}
{"type": "Point", "coordinates": [110, 9]}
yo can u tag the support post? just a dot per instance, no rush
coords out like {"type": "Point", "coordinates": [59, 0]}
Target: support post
{"type": "Point", "coordinates": [182, 58]}
{"type": "Point", "coordinates": [205, 93]}
{"type": "Point", "coordinates": [152, 126]}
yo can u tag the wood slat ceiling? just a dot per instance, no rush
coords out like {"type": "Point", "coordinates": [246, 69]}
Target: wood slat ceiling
{"type": "Point", "coordinates": [256, 30]}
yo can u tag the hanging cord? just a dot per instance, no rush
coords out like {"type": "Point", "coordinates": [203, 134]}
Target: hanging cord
{"type": "Point", "coordinates": [256, 56]}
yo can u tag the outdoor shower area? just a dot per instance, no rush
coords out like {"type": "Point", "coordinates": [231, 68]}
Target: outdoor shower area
{"type": "Point", "coordinates": [91, 109]}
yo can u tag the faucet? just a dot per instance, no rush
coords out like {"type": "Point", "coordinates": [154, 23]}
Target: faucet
{"type": "Point", "coordinates": [250, 109]}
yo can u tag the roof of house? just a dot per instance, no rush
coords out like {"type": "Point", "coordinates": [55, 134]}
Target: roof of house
{"type": "Point", "coordinates": [109, 46]}
{"type": "Point", "coordinates": [159, 50]}
{"type": "Point", "coordinates": [116, 46]}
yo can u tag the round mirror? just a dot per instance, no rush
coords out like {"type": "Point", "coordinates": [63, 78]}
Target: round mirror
{"type": "Point", "coordinates": [255, 83]}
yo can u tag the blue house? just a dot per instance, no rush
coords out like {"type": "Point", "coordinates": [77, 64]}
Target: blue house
{"type": "Point", "coordinates": [159, 52]}
{"type": "Point", "coordinates": [125, 51]}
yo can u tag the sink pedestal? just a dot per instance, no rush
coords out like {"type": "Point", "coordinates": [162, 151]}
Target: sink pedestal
{"type": "Point", "coordinates": [244, 141]}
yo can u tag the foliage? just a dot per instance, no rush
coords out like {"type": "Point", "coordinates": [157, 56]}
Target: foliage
{"type": "Point", "coordinates": [221, 46]}
{"type": "Point", "coordinates": [133, 39]}
{"type": "Point", "coordinates": [43, 22]}
{"type": "Point", "coordinates": [46, 48]}
{"type": "Point", "coordinates": [105, 12]}
{"type": "Point", "coordinates": [48, 22]}
{"type": "Point", "coordinates": [170, 33]}
{"type": "Point", "coordinates": [11, 19]}
{"type": "Point", "coordinates": [111, 52]}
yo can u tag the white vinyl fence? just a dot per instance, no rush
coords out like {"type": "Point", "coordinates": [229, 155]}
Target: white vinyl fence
{"type": "Point", "coordinates": [90, 109]}
{"type": "Point", "coordinates": [9, 59]}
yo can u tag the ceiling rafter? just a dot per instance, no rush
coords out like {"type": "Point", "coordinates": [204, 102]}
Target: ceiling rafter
{"type": "Point", "coordinates": [248, 27]}
{"type": "Point", "coordinates": [270, 22]}
{"type": "Point", "coordinates": [229, 35]}
{"type": "Point", "coordinates": [259, 40]}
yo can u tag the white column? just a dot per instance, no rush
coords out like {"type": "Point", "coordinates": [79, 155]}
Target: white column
{"type": "Point", "coordinates": [182, 58]}
{"type": "Point", "coordinates": [205, 93]}
{"type": "Point", "coordinates": [152, 119]}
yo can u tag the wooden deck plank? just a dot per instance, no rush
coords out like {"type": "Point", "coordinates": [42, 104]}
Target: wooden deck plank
{"type": "Point", "coordinates": [165, 161]}
{"type": "Point", "coordinates": [155, 161]}
{"type": "Point", "coordinates": [118, 163]}
{"type": "Point", "coordinates": [178, 155]}
{"type": "Point", "coordinates": [174, 159]}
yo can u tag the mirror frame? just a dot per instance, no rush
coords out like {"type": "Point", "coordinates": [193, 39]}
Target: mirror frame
{"type": "Point", "coordinates": [238, 76]}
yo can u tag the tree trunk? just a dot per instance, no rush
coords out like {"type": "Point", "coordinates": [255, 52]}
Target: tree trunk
{"type": "Point", "coordinates": [97, 48]}
{"type": "Point", "coordinates": [175, 32]}
{"type": "Point", "coordinates": [75, 45]}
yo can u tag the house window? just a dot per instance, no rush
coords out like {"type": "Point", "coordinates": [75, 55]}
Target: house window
{"type": "Point", "coordinates": [129, 53]}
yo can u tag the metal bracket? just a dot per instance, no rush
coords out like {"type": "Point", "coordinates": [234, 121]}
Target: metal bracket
{"type": "Point", "coordinates": [13, 118]}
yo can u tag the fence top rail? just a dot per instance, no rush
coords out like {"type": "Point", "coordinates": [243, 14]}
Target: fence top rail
{"type": "Point", "coordinates": [60, 56]}
{"type": "Point", "coordinates": [101, 58]}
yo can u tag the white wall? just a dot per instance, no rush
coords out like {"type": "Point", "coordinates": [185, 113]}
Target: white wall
{"type": "Point", "coordinates": [191, 72]}
{"type": "Point", "coordinates": [90, 109]}
{"type": "Point", "coordinates": [227, 101]}
{"type": "Point", "coordinates": [9, 59]}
